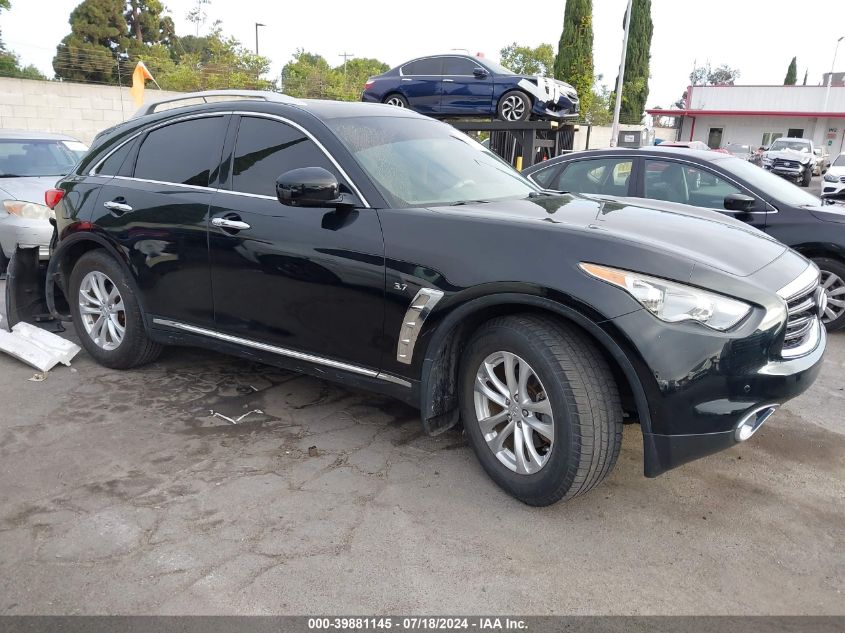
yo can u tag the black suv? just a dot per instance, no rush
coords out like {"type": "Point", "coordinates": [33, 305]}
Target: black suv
{"type": "Point", "coordinates": [367, 244]}
{"type": "Point", "coordinates": [721, 182]}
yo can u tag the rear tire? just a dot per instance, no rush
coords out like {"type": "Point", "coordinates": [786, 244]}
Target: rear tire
{"type": "Point", "coordinates": [4, 261]}
{"type": "Point", "coordinates": [833, 273]}
{"type": "Point", "coordinates": [107, 315]}
{"type": "Point", "coordinates": [573, 417]}
{"type": "Point", "coordinates": [397, 100]}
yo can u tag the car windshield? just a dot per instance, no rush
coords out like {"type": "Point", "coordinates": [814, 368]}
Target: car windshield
{"type": "Point", "coordinates": [778, 188]}
{"type": "Point", "coordinates": [840, 161]}
{"type": "Point", "coordinates": [420, 162]}
{"type": "Point", "coordinates": [798, 146]}
{"type": "Point", "coordinates": [496, 68]}
{"type": "Point", "coordinates": [24, 157]}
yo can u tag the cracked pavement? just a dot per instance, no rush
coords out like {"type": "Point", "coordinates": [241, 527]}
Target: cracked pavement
{"type": "Point", "coordinates": [122, 494]}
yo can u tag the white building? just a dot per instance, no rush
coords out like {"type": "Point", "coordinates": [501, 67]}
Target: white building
{"type": "Point", "coordinates": [757, 115]}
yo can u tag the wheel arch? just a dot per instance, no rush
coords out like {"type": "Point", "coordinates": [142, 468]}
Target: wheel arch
{"type": "Point", "coordinates": [438, 377]}
{"type": "Point", "coordinates": [64, 258]}
{"type": "Point", "coordinates": [812, 250]}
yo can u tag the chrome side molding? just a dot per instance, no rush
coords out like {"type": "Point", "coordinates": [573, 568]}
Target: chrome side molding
{"type": "Point", "coordinates": [283, 351]}
{"type": "Point", "coordinates": [421, 306]}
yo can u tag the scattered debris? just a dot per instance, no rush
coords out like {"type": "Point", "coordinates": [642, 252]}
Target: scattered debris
{"type": "Point", "coordinates": [313, 452]}
{"type": "Point", "coordinates": [37, 347]}
{"type": "Point", "coordinates": [38, 377]}
{"type": "Point", "coordinates": [237, 420]}
{"type": "Point", "coordinates": [246, 389]}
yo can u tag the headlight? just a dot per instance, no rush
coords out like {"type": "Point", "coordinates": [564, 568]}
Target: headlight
{"type": "Point", "coordinates": [673, 302]}
{"type": "Point", "coordinates": [28, 210]}
{"type": "Point", "coordinates": [828, 177]}
{"type": "Point", "coordinates": [766, 160]}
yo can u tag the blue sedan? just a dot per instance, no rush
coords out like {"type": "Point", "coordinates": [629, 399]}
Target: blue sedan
{"type": "Point", "coordinates": [461, 86]}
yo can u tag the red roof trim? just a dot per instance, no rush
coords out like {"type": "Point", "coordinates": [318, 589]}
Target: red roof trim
{"type": "Point", "coordinates": [821, 115]}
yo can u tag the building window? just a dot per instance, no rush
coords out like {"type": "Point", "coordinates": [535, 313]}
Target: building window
{"type": "Point", "coordinates": [795, 132]}
{"type": "Point", "coordinates": [770, 137]}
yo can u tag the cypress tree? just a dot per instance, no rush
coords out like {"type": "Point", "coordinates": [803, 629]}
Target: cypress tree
{"type": "Point", "coordinates": [574, 60]}
{"type": "Point", "coordinates": [791, 73]}
{"type": "Point", "coordinates": [635, 88]}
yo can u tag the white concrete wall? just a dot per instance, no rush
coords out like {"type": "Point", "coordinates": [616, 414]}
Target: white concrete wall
{"type": "Point", "coordinates": [79, 110]}
{"type": "Point", "coordinates": [827, 132]}
{"type": "Point", "coordinates": [767, 98]}
{"type": "Point", "coordinates": [600, 136]}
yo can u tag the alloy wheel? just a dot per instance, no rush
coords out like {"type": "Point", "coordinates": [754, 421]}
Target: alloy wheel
{"type": "Point", "coordinates": [514, 413]}
{"type": "Point", "coordinates": [396, 101]}
{"type": "Point", "coordinates": [101, 310]}
{"type": "Point", "coordinates": [834, 288]}
{"type": "Point", "coordinates": [513, 108]}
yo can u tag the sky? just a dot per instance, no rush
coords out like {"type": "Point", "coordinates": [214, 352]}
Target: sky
{"type": "Point", "coordinates": [759, 37]}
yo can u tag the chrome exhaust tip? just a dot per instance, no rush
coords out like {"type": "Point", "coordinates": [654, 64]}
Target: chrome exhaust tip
{"type": "Point", "coordinates": [753, 420]}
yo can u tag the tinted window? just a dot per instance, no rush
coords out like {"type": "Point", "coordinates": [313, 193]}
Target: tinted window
{"type": "Point", "coordinates": [113, 164]}
{"type": "Point", "coordinates": [687, 184]}
{"type": "Point", "coordinates": [459, 66]}
{"type": "Point", "coordinates": [544, 176]}
{"type": "Point", "coordinates": [429, 66]}
{"type": "Point", "coordinates": [265, 149]}
{"type": "Point", "coordinates": [183, 153]}
{"type": "Point", "coordinates": [608, 176]}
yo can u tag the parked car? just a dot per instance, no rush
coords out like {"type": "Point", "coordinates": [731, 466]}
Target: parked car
{"type": "Point", "coordinates": [791, 158]}
{"type": "Point", "coordinates": [833, 183]}
{"type": "Point", "coordinates": [822, 161]}
{"type": "Point", "coordinates": [744, 152]}
{"type": "Point", "coordinates": [30, 163]}
{"type": "Point", "coordinates": [379, 248]}
{"type": "Point", "coordinates": [729, 185]}
{"type": "Point", "coordinates": [463, 86]}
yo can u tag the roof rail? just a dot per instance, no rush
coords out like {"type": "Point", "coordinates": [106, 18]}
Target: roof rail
{"type": "Point", "coordinates": [216, 95]}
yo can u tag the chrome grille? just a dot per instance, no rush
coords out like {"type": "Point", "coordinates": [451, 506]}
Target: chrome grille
{"type": "Point", "coordinates": [780, 162]}
{"type": "Point", "coordinates": [802, 322]}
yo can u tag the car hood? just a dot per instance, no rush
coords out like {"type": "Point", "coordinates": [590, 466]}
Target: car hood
{"type": "Point", "coordinates": [30, 189]}
{"type": "Point", "coordinates": [701, 236]}
{"type": "Point", "coordinates": [829, 213]}
{"type": "Point", "coordinates": [790, 154]}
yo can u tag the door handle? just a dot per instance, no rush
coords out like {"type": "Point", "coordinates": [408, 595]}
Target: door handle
{"type": "Point", "coordinates": [407, 79]}
{"type": "Point", "coordinates": [451, 81]}
{"type": "Point", "coordinates": [118, 207]}
{"type": "Point", "coordinates": [232, 225]}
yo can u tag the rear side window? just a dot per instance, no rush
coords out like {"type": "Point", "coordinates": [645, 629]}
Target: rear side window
{"type": "Point", "coordinates": [182, 153]}
{"type": "Point", "coordinates": [265, 149]}
{"type": "Point", "coordinates": [429, 66]}
{"type": "Point", "coordinates": [608, 176]}
{"type": "Point", "coordinates": [544, 176]}
{"type": "Point", "coordinates": [115, 165]}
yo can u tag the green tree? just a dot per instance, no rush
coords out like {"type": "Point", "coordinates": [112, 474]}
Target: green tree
{"type": "Point", "coordinates": [574, 60]}
{"type": "Point", "coordinates": [525, 60]}
{"type": "Point", "coordinates": [635, 87]}
{"type": "Point", "coordinates": [97, 32]}
{"type": "Point", "coordinates": [310, 76]}
{"type": "Point", "coordinates": [147, 22]}
{"type": "Point", "coordinates": [791, 73]}
{"type": "Point", "coordinates": [354, 74]}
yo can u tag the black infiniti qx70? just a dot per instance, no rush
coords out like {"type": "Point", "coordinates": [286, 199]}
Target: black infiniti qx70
{"type": "Point", "coordinates": [370, 245]}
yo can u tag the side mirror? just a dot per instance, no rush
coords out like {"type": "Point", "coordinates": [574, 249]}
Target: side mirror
{"type": "Point", "coordinates": [308, 187]}
{"type": "Point", "coordinates": [479, 73]}
{"type": "Point", "coordinates": [739, 202]}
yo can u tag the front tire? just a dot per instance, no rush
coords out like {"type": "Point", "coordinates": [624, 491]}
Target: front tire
{"type": "Point", "coordinates": [833, 282]}
{"type": "Point", "coordinates": [514, 106]}
{"type": "Point", "coordinates": [107, 315]}
{"type": "Point", "coordinates": [540, 407]}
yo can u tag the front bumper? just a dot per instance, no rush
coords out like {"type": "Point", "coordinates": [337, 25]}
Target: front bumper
{"type": "Point", "coordinates": [793, 173]}
{"type": "Point", "coordinates": [700, 384]}
{"type": "Point", "coordinates": [832, 189]}
{"type": "Point", "coordinates": [15, 231]}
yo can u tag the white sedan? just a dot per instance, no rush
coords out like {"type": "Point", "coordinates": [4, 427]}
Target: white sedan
{"type": "Point", "coordinates": [30, 164]}
{"type": "Point", "coordinates": [833, 183]}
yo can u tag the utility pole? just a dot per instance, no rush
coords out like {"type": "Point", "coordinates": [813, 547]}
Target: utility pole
{"type": "Point", "coordinates": [257, 24]}
{"type": "Point", "coordinates": [345, 57]}
{"type": "Point", "coordinates": [830, 76]}
{"type": "Point", "coordinates": [614, 134]}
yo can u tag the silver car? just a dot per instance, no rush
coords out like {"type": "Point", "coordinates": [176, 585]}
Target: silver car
{"type": "Point", "coordinates": [30, 164]}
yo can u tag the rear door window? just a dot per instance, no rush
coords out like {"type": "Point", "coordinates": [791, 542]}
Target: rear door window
{"type": "Point", "coordinates": [607, 176]}
{"type": "Point", "coordinates": [182, 153]}
{"type": "Point", "coordinates": [265, 149]}
{"type": "Point", "coordinates": [687, 184]}
{"type": "Point", "coordinates": [459, 66]}
{"type": "Point", "coordinates": [428, 66]}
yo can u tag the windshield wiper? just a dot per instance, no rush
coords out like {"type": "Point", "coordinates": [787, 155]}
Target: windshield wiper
{"type": "Point", "coordinates": [11, 176]}
{"type": "Point", "coordinates": [463, 202]}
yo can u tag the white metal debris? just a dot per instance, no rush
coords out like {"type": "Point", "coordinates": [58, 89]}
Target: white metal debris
{"type": "Point", "coordinates": [216, 414]}
{"type": "Point", "coordinates": [37, 347]}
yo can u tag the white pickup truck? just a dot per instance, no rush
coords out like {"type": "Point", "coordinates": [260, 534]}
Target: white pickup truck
{"type": "Point", "coordinates": [791, 158]}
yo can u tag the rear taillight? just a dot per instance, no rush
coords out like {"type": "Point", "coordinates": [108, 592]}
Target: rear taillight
{"type": "Point", "coordinates": [369, 84]}
{"type": "Point", "coordinates": [52, 197]}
